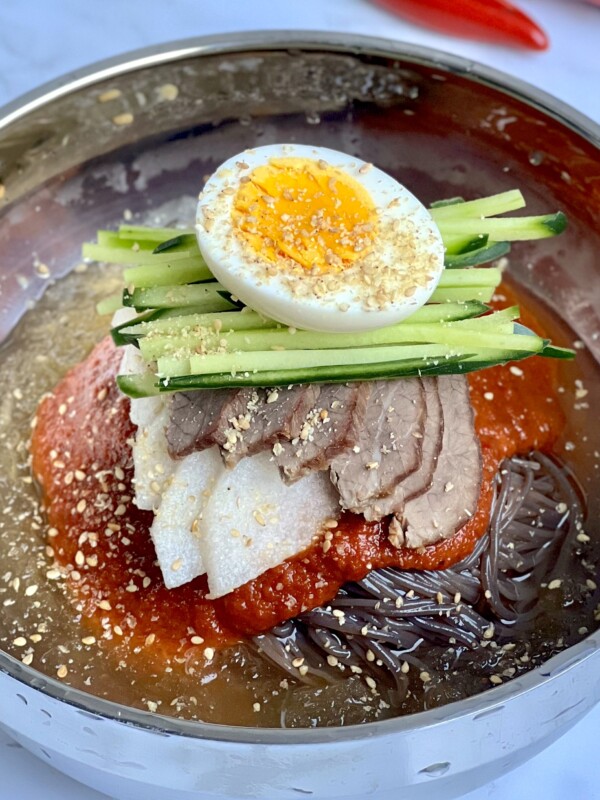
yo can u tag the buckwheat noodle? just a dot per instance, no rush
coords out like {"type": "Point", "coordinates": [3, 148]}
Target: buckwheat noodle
{"type": "Point", "coordinates": [387, 624]}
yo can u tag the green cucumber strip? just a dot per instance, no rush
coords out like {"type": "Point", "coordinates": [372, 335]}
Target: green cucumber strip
{"type": "Point", "coordinates": [182, 242]}
{"type": "Point", "coordinates": [453, 342]}
{"type": "Point", "coordinates": [125, 332]}
{"type": "Point", "coordinates": [478, 277]}
{"type": "Point", "coordinates": [189, 323]}
{"type": "Point", "coordinates": [251, 320]}
{"type": "Point", "coordinates": [492, 320]}
{"type": "Point", "coordinates": [307, 359]}
{"type": "Point", "coordinates": [120, 333]}
{"type": "Point", "coordinates": [552, 351]}
{"type": "Point", "coordinates": [173, 366]}
{"type": "Point", "coordinates": [263, 338]}
{"type": "Point", "coordinates": [509, 229]}
{"type": "Point", "coordinates": [450, 201]}
{"type": "Point", "coordinates": [448, 312]}
{"type": "Point", "coordinates": [138, 385]}
{"type": "Point", "coordinates": [452, 334]}
{"type": "Point", "coordinates": [452, 294]}
{"type": "Point", "coordinates": [476, 257]}
{"type": "Point", "coordinates": [143, 233]}
{"type": "Point", "coordinates": [425, 366]}
{"type": "Point", "coordinates": [396, 369]}
{"type": "Point", "coordinates": [186, 270]}
{"type": "Point", "coordinates": [482, 207]}
{"type": "Point", "coordinates": [184, 345]}
{"type": "Point", "coordinates": [125, 255]}
{"type": "Point", "coordinates": [112, 239]}
{"type": "Point", "coordinates": [109, 304]}
{"type": "Point", "coordinates": [457, 245]}
{"type": "Point", "coordinates": [167, 335]}
{"type": "Point", "coordinates": [205, 297]}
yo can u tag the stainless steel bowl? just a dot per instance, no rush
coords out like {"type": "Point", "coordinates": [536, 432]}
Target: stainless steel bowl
{"type": "Point", "coordinates": [69, 164]}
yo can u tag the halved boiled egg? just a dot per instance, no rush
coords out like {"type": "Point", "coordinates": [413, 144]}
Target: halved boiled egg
{"type": "Point", "coordinates": [317, 239]}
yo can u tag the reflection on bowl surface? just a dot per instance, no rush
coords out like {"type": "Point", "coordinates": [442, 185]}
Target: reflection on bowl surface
{"type": "Point", "coordinates": [75, 168]}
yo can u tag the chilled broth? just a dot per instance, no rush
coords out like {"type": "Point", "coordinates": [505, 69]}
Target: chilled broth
{"type": "Point", "coordinates": [40, 625]}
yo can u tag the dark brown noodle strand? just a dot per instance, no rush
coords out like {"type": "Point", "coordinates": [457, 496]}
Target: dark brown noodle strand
{"type": "Point", "coordinates": [388, 624]}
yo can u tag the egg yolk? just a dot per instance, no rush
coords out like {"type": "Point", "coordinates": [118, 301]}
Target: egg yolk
{"type": "Point", "coordinates": [315, 214]}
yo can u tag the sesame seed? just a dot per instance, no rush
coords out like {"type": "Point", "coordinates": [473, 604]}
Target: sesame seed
{"type": "Point", "coordinates": [489, 632]}
{"type": "Point", "coordinates": [89, 640]}
{"type": "Point", "coordinates": [31, 590]}
{"type": "Point", "coordinates": [297, 662]}
{"type": "Point", "coordinates": [256, 707]}
{"type": "Point", "coordinates": [62, 671]}
{"type": "Point", "coordinates": [496, 679]}
{"type": "Point", "coordinates": [27, 659]}
{"type": "Point", "coordinates": [303, 670]}
{"type": "Point", "coordinates": [123, 119]}
{"type": "Point", "coordinates": [555, 584]}
{"type": "Point", "coordinates": [110, 94]}
{"type": "Point", "coordinates": [197, 640]}
{"type": "Point", "coordinates": [20, 641]}
{"type": "Point", "coordinates": [209, 653]}
{"type": "Point", "coordinates": [424, 676]}
{"type": "Point", "coordinates": [370, 682]}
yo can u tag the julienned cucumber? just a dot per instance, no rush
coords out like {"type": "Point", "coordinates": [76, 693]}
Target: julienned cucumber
{"type": "Point", "coordinates": [208, 296]}
{"type": "Point", "coordinates": [510, 229]}
{"type": "Point", "coordinates": [191, 269]}
{"type": "Point", "coordinates": [174, 322]}
{"type": "Point", "coordinates": [481, 255]}
{"type": "Point", "coordinates": [482, 207]}
{"type": "Point", "coordinates": [496, 325]}
{"type": "Point", "coordinates": [461, 342]}
{"type": "Point", "coordinates": [434, 364]}
{"type": "Point", "coordinates": [183, 309]}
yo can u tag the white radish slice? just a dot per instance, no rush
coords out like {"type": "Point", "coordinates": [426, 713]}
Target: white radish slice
{"type": "Point", "coordinates": [177, 527]}
{"type": "Point", "coordinates": [254, 521]}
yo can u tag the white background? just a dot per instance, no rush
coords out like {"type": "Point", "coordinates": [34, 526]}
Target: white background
{"type": "Point", "coordinates": [42, 39]}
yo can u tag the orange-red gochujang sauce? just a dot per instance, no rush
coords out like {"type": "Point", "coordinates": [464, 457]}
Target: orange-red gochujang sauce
{"type": "Point", "coordinates": [82, 458]}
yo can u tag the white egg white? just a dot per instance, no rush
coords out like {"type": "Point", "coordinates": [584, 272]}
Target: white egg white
{"type": "Point", "coordinates": [345, 309]}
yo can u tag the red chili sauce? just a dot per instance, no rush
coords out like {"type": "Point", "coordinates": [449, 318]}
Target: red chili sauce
{"type": "Point", "coordinates": [82, 459]}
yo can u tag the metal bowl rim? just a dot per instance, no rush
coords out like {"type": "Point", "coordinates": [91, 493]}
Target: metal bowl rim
{"type": "Point", "coordinates": [350, 44]}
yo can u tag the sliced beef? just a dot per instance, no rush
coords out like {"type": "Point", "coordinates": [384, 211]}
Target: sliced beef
{"type": "Point", "coordinates": [267, 416]}
{"type": "Point", "coordinates": [420, 480]}
{"type": "Point", "coordinates": [194, 418]}
{"type": "Point", "coordinates": [452, 497]}
{"type": "Point", "coordinates": [389, 447]}
{"type": "Point", "coordinates": [331, 427]}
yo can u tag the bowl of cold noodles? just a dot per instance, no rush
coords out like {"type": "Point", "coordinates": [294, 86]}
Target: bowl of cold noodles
{"type": "Point", "coordinates": [299, 481]}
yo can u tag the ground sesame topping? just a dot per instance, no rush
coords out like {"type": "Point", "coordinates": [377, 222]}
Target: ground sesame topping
{"type": "Point", "coordinates": [126, 118]}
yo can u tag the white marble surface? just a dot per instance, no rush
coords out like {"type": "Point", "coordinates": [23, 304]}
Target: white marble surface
{"type": "Point", "coordinates": [43, 39]}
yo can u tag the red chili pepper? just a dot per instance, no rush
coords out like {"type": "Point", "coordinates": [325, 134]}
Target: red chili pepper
{"type": "Point", "coordinates": [491, 20]}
